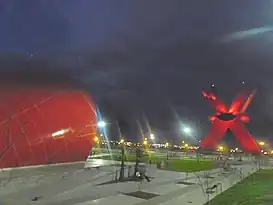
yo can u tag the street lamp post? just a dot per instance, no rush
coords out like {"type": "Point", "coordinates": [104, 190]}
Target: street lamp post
{"type": "Point", "coordinates": [187, 131]}
{"type": "Point", "coordinates": [121, 175]}
{"type": "Point", "coordinates": [100, 131]}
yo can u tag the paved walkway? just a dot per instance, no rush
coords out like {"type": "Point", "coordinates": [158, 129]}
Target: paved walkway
{"type": "Point", "coordinates": [198, 196]}
{"type": "Point", "coordinates": [54, 186]}
{"type": "Point", "coordinates": [75, 187]}
{"type": "Point", "coordinates": [177, 194]}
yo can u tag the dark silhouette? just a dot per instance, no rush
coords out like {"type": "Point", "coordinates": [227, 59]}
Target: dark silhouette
{"type": "Point", "coordinates": [138, 154]}
{"type": "Point", "coordinates": [141, 175]}
{"type": "Point", "coordinates": [121, 174]}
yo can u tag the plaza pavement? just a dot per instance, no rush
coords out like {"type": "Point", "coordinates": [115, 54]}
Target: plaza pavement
{"type": "Point", "coordinates": [71, 185]}
{"type": "Point", "coordinates": [179, 194]}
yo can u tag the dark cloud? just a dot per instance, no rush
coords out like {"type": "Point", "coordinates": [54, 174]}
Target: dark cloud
{"type": "Point", "coordinates": [145, 77]}
{"type": "Point", "coordinates": [150, 57]}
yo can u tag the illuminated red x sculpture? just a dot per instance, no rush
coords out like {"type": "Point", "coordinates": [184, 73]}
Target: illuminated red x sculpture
{"type": "Point", "coordinates": [233, 119]}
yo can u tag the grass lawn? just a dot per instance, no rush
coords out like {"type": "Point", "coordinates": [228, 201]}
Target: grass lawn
{"type": "Point", "coordinates": [254, 190]}
{"type": "Point", "coordinates": [189, 165]}
{"type": "Point", "coordinates": [179, 165]}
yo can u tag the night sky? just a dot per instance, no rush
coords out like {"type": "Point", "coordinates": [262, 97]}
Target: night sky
{"type": "Point", "coordinates": [149, 59]}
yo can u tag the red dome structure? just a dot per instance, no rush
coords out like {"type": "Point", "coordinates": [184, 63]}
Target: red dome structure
{"type": "Point", "coordinates": [44, 123]}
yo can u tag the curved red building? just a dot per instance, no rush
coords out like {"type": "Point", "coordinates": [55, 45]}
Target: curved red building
{"type": "Point", "coordinates": [44, 122]}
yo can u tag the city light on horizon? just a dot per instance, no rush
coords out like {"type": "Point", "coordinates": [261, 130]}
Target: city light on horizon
{"type": "Point", "coordinates": [261, 143]}
{"type": "Point", "coordinates": [96, 139]}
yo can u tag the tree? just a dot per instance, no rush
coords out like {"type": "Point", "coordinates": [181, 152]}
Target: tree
{"type": "Point", "coordinates": [122, 166]}
{"type": "Point", "coordinates": [138, 155]}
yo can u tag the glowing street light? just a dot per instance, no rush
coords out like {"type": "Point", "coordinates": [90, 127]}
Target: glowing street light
{"type": "Point", "coordinates": [261, 143]}
{"type": "Point", "coordinates": [152, 136]}
{"type": "Point", "coordinates": [101, 124]}
{"type": "Point", "coordinates": [96, 139]}
{"type": "Point", "coordinates": [187, 130]}
{"type": "Point", "coordinates": [121, 141]}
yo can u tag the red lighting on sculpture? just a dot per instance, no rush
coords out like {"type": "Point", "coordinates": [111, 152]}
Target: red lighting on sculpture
{"type": "Point", "coordinates": [232, 118]}
{"type": "Point", "coordinates": [44, 123]}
